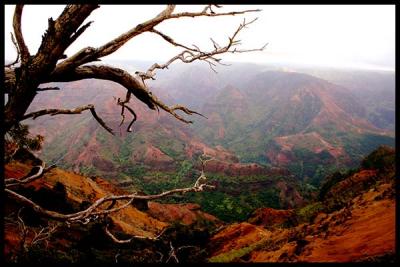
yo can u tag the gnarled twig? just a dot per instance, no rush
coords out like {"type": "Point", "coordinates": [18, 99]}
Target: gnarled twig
{"type": "Point", "coordinates": [125, 241]}
{"type": "Point", "coordinates": [78, 110]}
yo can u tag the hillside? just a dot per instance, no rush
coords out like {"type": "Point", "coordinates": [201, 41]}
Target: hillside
{"type": "Point", "coordinates": [68, 192]}
{"type": "Point", "coordinates": [292, 120]}
{"type": "Point", "coordinates": [357, 224]}
{"type": "Point", "coordinates": [336, 227]}
{"type": "Point", "coordinates": [374, 89]}
{"type": "Point", "coordinates": [277, 118]}
{"type": "Point", "coordinates": [159, 154]}
{"type": "Point", "coordinates": [262, 126]}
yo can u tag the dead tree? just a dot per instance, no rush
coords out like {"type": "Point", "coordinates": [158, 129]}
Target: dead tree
{"type": "Point", "coordinates": [30, 237]}
{"type": "Point", "coordinates": [24, 76]}
{"type": "Point", "coordinates": [50, 64]}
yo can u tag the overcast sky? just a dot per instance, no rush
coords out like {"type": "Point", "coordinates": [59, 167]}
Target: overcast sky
{"type": "Point", "coordinates": [329, 35]}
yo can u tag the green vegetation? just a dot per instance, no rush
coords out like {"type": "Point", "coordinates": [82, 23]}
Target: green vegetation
{"type": "Point", "coordinates": [308, 213]}
{"type": "Point", "coordinates": [234, 199]}
{"type": "Point", "coordinates": [88, 170]}
{"type": "Point", "coordinates": [234, 254]}
{"type": "Point", "coordinates": [18, 136]}
{"type": "Point", "coordinates": [359, 146]}
{"type": "Point", "coordinates": [380, 159]}
{"type": "Point", "coordinates": [184, 170]}
{"type": "Point", "coordinates": [332, 180]}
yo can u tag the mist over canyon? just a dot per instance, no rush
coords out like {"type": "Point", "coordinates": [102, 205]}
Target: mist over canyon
{"type": "Point", "coordinates": [274, 132]}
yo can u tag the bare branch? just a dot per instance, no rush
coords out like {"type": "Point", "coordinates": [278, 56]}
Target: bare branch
{"type": "Point", "coordinates": [44, 234]}
{"type": "Point", "coordinates": [171, 110]}
{"type": "Point", "coordinates": [123, 104]}
{"type": "Point", "coordinates": [23, 230]}
{"type": "Point", "coordinates": [210, 14]}
{"type": "Point", "coordinates": [115, 44]}
{"type": "Point", "coordinates": [103, 72]}
{"type": "Point", "coordinates": [61, 33]}
{"type": "Point", "coordinates": [90, 54]}
{"type": "Point", "coordinates": [192, 54]}
{"type": "Point", "coordinates": [204, 159]}
{"type": "Point", "coordinates": [23, 49]}
{"type": "Point", "coordinates": [14, 181]}
{"type": "Point", "coordinates": [78, 110]}
{"type": "Point", "coordinates": [125, 241]}
{"type": "Point", "coordinates": [79, 32]}
{"type": "Point", "coordinates": [186, 110]}
{"type": "Point", "coordinates": [161, 256]}
{"type": "Point", "coordinates": [173, 251]}
{"type": "Point", "coordinates": [132, 84]}
{"type": "Point", "coordinates": [67, 28]}
{"type": "Point", "coordinates": [170, 40]}
{"type": "Point", "coordinates": [172, 254]}
{"type": "Point", "coordinates": [117, 255]}
{"type": "Point", "coordinates": [95, 210]}
{"type": "Point", "coordinates": [100, 121]}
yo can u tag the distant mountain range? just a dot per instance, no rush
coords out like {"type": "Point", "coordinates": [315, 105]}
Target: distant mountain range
{"type": "Point", "coordinates": [260, 119]}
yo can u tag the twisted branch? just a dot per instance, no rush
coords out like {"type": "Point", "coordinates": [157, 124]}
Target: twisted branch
{"type": "Point", "coordinates": [94, 211]}
{"type": "Point", "coordinates": [90, 54]}
{"type": "Point", "coordinates": [131, 83]}
{"type": "Point", "coordinates": [62, 32]}
{"type": "Point", "coordinates": [123, 105]}
{"type": "Point", "coordinates": [78, 110]}
{"type": "Point", "coordinates": [208, 12]}
{"type": "Point", "coordinates": [191, 54]}
{"type": "Point", "coordinates": [67, 28]}
{"type": "Point", "coordinates": [14, 181]}
{"type": "Point", "coordinates": [125, 241]}
{"type": "Point", "coordinates": [43, 235]}
{"type": "Point", "coordinates": [173, 251]}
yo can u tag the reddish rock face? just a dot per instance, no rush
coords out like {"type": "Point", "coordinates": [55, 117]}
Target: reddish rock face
{"type": "Point", "coordinates": [157, 159]}
{"type": "Point", "coordinates": [187, 213]}
{"type": "Point", "coordinates": [234, 168]}
{"type": "Point", "coordinates": [289, 197]}
{"type": "Point", "coordinates": [218, 153]}
{"type": "Point", "coordinates": [236, 236]}
{"type": "Point", "coordinates": [362, 230]}
{"type": "Point", "coordinates": [269, 217]}
{"type": "Point", "coordinates": [103, 164]}
{"type": "Point", "coordinates": [280, 156]}
{"type": "Point", "coordinates": [354, 182]}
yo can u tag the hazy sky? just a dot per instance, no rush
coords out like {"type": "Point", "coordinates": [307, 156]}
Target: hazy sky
{"type": "Point", "coordinates": [330, 35]}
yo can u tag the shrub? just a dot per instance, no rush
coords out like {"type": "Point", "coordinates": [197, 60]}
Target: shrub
{"type": "Point", "coordinates": [308, 213]}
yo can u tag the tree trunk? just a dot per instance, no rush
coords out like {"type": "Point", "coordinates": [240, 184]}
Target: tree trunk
{"type": "Point", "coordinates": [19, 97]}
